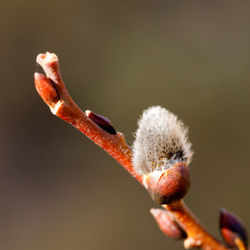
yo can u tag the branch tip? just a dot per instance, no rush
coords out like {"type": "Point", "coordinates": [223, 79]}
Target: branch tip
{"type": "Point", "coordinates": [46, 58]}
{"type": "Point", "coordinates": [50, 64]}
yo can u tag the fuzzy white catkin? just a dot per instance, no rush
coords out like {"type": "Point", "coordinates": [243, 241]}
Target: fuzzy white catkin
{"type": "Point", "coordinates": [161, 141]}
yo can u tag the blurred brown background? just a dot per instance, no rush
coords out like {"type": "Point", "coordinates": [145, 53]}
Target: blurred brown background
{"type": "Point", "coordinates": [58, 189]}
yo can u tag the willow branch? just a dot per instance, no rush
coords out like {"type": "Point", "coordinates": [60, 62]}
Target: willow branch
{"type": "Point", "coordinates": [52, 90]}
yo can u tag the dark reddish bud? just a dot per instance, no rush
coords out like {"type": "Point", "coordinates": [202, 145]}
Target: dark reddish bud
{"type": "Point", "coordinates": [170, 185]}
{"type": "Point", "coordinates": [167, 224]}
{"type": "Point", "coordinates": [102, 122]}
{"type": "Point", "coordinates": [232, 230]}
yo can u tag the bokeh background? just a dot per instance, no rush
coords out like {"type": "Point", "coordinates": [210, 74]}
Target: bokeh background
{"type": "Point", "coordinates": [58, 189]}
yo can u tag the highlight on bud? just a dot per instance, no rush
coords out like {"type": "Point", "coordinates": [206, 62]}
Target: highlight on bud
{"type": "Point", "coordinates": [233, 230]}
{"type": "Point", "coordinates": [49, 63]}
{"type": "Point", "coordinates": [167, 224]}
{"type": "Point", "coordinates": [102, 122]}
{"type": "Point", "coordinates": [161, 153]}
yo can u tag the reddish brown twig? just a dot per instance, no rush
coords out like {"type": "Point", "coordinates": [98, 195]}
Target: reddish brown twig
{"type": "Point", "coordinates": [52, 90]}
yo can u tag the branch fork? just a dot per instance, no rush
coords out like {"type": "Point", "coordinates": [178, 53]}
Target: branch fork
{"type": "Point", "coordinates": [174, 219]}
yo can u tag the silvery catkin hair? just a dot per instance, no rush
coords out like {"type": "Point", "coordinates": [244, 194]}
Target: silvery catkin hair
{"type": "Point", "coordinates": [161, 141]}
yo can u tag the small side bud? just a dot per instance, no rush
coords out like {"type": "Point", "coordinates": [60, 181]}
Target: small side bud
{"type": "Point", "coordinates": [167, 224]}
{"type": "Point", "coordinates": [46, 89]}
{"type": "Point", "coordinates": [233, 230]}
{"type": "Point", "coordinates": [161, 153]}
{"type": "Point", "coordinates": [102, 122]}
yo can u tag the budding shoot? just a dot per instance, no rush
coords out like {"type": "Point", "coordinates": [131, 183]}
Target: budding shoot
{"type": "Point", "coordinates": [161, 153]}
{"type": "Point", "coordinates": [160, 142]}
